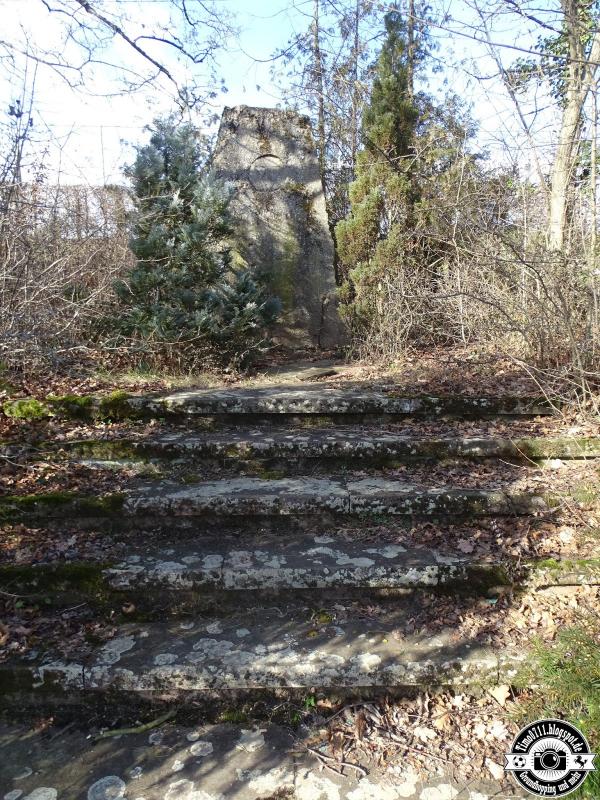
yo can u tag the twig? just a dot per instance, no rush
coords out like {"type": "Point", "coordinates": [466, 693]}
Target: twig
{"type": "Point", "coordinates": [62, 731]}
{"type": "Point", "coordinates": [321, 759]}
{"type": "Point", "coordinates": [345, 708]}
{"type": "Point", "coordinates": [420, 751]}
{"type": "Point", "coordinates": [74, 608]}
{"type": "Point", "coordinates": [4, 593]}
{"type": "Point", "coordinates": [147, 726]}
{"type": "Point", "coordinates": [342, 764]}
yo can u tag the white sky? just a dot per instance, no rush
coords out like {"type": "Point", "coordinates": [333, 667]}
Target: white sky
{"type": "Point", "coordinates": [89, 138]}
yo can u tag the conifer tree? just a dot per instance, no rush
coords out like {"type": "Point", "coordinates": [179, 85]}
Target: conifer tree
{"type": "Point", "coordinates": [392, 243]}
{"type": "Point", "coordinates": [385, 191]}
{"type": "Point", "coordinates": [183, 295]}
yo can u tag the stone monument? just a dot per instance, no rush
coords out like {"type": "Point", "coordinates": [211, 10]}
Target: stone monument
{"type": "Point", "coordinates": [280, 220]}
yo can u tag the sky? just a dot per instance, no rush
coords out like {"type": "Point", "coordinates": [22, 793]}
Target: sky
{"type": "Point", "coordinates": [89, 138]}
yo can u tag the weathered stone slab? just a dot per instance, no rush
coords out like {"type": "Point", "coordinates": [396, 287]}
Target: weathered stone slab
{"type": "Point", "coordinates": [308, 562]}
{"type": "Point", "coordinates": [379, 495]}
{"type": "Point", "coordinates": [240, 496]}
{"type": "Point", "coordinates": [310, 495]}
{"type": "Point", "coordinates": [248, 761]}
{"type": "Point", "coordinates": [285, 496]}
{"type": "Point", "coordinates": [271, 648]}
{"type": "Point", "coordinates": [564, 572]}
{"type": "Point", "coordinates": [276, 401]}
{"type": "Point", "coordinates": [335, 443]}
{"type": "Point", "coordinates": [280, 219]}
{"type": "Point", "coordinates": [322, 401]}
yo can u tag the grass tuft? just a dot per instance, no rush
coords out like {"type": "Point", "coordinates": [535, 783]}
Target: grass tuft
{"type": "Point", "coordinates": [566, 675]}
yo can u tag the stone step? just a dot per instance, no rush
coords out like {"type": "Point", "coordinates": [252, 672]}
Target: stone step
{"type": "Point", "coordinates": [307, 495]}
{"type": "Point", "coordinates": [218, 574]}
{"type": "Point", "coordinates": [340, 444]}
{"type": "Point", "coordinates": [295, 495]}
{"type": "Point", "coordinates": [316, 400]}
{"type": "Point", "coordinates": [219, 577]}
{"type": "Point", "coordinates": [281, 401]}
{"type": "Point", "coordinates": [276, 648]}
{"type": "Point", "coordinates": [298, 562]}
{"type": "Point", "coordinates": [193, 760]}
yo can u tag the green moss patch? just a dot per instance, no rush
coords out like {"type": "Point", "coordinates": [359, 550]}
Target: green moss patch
{"type": "Point", "coordinates": [553, 565]}
{"type": "Point", "coordinates": [51, 504]}
{"type": "Point", "coordinates": [559, 447]}
{"type": "Point", "coordinates": [115, 407]}
{"type": "Point", "coordinates": [81, 577]}
{"type": "Point", "coordinates": [72, 406]}
{"type": "Point", "coordinates": [26, 409]}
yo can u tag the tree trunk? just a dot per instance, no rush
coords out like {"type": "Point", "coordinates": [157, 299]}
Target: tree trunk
{"type": "Point", "coordinates": [320, 92]}
{"type": "Point", "coordinates": [594, 181]}
{"type": "Point", "coordinates": [355, 96]}
{"type": "Point", "coordinates": [581, 73]}
{"type": "Point", "coordinates": [410, 61]}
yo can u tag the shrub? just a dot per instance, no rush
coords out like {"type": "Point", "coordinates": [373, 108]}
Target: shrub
{"type": "Point", "coordinates": [184, 301]}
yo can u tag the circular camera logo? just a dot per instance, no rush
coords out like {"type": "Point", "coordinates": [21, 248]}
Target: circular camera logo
{"type": "Point", "coordinates": [550, 758]}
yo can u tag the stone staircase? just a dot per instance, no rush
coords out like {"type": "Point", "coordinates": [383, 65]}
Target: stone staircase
{"type": "Point", "coordinates": [264, 545]}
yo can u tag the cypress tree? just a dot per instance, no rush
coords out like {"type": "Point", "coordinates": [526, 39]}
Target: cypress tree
{"type": "Point", "coordinates": [376, 235]}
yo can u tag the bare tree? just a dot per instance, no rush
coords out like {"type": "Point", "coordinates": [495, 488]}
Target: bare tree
{"type": "Point", "coordinates": [581, 72]}
{"type": "Point", "coordinates": [317, 59]}
{"type": "Point", "coordinates": [127, 44]}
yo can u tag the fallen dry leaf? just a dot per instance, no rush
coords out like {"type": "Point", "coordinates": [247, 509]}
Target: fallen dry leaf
{"type": "Point", "coordinates": [498, 730]}
{"type": "Point", "coordinates": [423, 733]}
{"type": "Point", "coordinates": [441, 718]}
{"type": "Point", "coordinates": [442, 721]}
{"type": "Point", "coordinates": [361, 725]}
{"type": "Point", "coordinates": [500, 694]}
{"type": "Point", "coordinates": [495, 770]}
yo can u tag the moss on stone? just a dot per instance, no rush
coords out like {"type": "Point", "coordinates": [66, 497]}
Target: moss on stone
{"type": "Point", "coordinates": [49, 503]}
{"type": "Point", "coordinates": [26, 409]}
{"type": "Point", "coordinates": [264, 141]}
{"type": "Point", "coordinates": [566, 565]}
{"type": "Point", "coordinates": [300, 191]}
{"type": "Point", "coordinates": [282, 280]}
{"type": "Point", "coordinates": [115, 407]}
{"type": "Point", "coordinates": [109, 503]}
{"type": "Point", "coordinates": [258, 469]}
{"type": "Point", "coordinates": [82, 577]}
{"type": "Point", "coordinates": [235, 716]}
{"type": "Point", "coordinates": [323, 617]}
{"type": "Point", "coordinates": [190, 477]}
{"type": "Point", "coordinates": [73, 406]}
{"type": "Point", "coordinates": [295, 186]}
{"type": "Point", "coordinates": [472, 579]}
{"type": "Point", "coordinates": [545, 563]}
{"type": "Point", "coordinates": [559, 447]}
{"type": "Point", "coordinates": [118, 449]}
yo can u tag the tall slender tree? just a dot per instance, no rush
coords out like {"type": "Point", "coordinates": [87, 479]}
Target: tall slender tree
{"type": "Point", "coordinates": [326, 71]}
{"type": "Point", "coordinates": [385, 190]}
{"type": "Point", "coordinates": [401, 219]}
{"type": "Point", "coordinates": [580, 76]}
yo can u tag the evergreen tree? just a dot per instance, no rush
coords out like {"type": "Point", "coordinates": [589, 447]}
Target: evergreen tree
{"type": "Point", "coordinates": [183, 294]}
{"type": "Point", "coordinates": [382, 197]}
{"type": "Point", "coordinates": [399, 214]}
